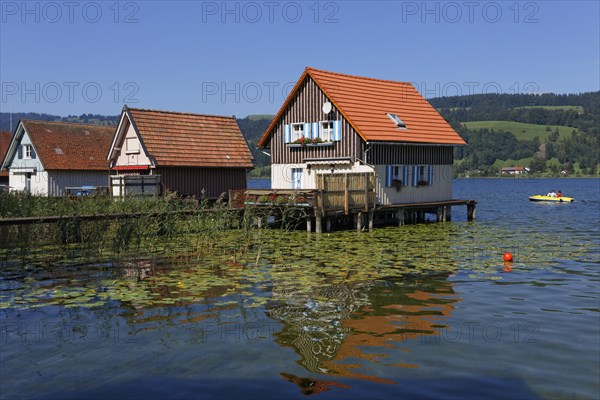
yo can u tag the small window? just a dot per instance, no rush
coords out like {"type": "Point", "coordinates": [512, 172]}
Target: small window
{"type": "Point", "coordinates": [26, 151]}
{"type": "Point", "coordinates": [132, 146]}
{"type": "Point", "coordinates": [422, 175]}
{"type": "Point", "coordinates": [326, 131]}
{"type": "Point", "coordinates": [396, 120]}
{"type": "Point", "coordinates": [396, 176]}
{"type": "Point", "coordinates": [297, 132]}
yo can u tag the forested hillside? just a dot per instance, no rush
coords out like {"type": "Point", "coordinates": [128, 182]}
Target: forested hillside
{"type": "Point", "coordinates": [551, 134]}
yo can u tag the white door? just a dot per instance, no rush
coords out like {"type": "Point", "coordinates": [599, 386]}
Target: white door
{"type": "Point", "coordinates": [28, 182]}
{"type": "Point", "coordinates": [296, 178]}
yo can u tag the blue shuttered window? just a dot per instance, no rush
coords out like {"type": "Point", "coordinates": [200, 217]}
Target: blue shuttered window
{"type": "Point", "coordinates": [337, 131]}
{"type": "Point", "coordinates": [315, 130]}
{"type": "Point", "coordinates": [307, 133]}
{"type": "Point", "coordinates": [389, 172]}
{"type": "Point", "coordinates": [286, 133]}
{"type": "Point", "coordinates": [405, 175]}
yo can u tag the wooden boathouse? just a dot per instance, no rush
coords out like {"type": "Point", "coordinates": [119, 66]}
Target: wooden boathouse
{"type": "Point", "coordinates": [197, 155]}
{"type": "Point", "coordinates": [360, 148]}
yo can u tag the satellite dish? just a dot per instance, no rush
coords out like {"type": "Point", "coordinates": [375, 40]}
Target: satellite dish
{"type": "Point", "coordinates": [326, 107]}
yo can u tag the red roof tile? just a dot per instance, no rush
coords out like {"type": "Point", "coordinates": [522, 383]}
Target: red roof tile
{"type": "Point", "coordinates": [70, 146]}
{"type": "Point", "coordinates": [5, 139]}
{"type": "Point", "coordinates": [365, 103]}
{"type": "Point", "coordinates": [177, 139]}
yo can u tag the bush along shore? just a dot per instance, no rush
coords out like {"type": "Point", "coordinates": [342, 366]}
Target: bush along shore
{"type": "Point", "coordinates": [129, 227]}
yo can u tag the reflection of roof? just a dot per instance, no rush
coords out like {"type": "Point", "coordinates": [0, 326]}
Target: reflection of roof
{"type": "Point", "coordinates": [513, 168]}
{"type": "Point", "coordinates": [70, 146]}
{"type": "Point", "coordinates": [347, 318]}
{"type": "Point", "coordinates": [5, 138]}
{"type": "Point", "coordinates": [177, 139]}
{"type": "Point", "coordinates": [372, 105]}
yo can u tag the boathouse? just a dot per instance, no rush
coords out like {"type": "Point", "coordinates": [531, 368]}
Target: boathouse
{"type": "Point", "coordinates": [46, 158]}
{"type": "Point", "coordinates": [190, 154]}
{"type": "Point", "coordinates": [362, 144]}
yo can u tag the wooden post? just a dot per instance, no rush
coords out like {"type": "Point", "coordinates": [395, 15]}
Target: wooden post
{"type": "Point", "coordinates": [439, 214]}
{"type": "Point", "coordinates": [309, 224]}
{"type": "Point", "coordinates": [346, 194]}
{"type": "Point", "coordinates": [445, 213]}
{"type": "Point", "coordinates": [371, 215]}
{"type": "Point", "coordinates": [366, 191]}
{"type": "Point", "coordinates": [400, 217]}
{"type": "Point", "coordinates": [470, 212]}
{"type": "Point", "coordinates": [318, 223]}
{"type": "Point", "coordinates": [328, 224]}
{"type": "Point", "coordinates": [359, 221]}
{"type": "Point", "coordinates": [321, 202]}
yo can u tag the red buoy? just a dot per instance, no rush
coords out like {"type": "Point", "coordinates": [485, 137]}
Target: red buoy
{"type": "Point", "coordinates": [508, 256]}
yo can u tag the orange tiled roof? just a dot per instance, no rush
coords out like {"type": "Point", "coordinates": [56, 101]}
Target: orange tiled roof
{"type": "Point", "coordinates": [70, 146]}
{"type": "Point", "coordinates": [365, 103]}
{"type": "Point", "coordinates": [5, 139]}
{"type": "Point", "coordinates": [177, 139]}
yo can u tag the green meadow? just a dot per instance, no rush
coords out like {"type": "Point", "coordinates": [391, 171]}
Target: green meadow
{"type": "Point", "coordinates": [522, 131]}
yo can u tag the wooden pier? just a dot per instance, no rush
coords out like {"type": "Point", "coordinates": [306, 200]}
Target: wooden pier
{"type": "Point", "coordinates": [346, 201]}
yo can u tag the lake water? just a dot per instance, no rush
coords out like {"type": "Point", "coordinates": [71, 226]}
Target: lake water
{"type": "Point", "coordinates": [420, 311]}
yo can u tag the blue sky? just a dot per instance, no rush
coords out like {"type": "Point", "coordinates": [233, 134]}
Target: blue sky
{"type": "Point", "coordinates": [240, 58]}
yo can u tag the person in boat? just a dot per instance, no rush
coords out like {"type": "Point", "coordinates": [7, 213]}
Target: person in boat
{"type": "Point", "coordinates": [559, 194]}
{"type": "Point", "coordinates": [551, 194]}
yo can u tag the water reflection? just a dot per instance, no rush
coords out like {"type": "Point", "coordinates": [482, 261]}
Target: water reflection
{"type": "Point", "coordinates": [339, 328]}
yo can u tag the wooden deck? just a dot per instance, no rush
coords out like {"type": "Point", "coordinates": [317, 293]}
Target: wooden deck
{"type": "Point", "coordinates": [324, 209]}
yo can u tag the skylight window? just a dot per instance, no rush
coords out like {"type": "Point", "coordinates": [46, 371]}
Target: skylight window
{"type": "Point", "coordinates": [396, 120]}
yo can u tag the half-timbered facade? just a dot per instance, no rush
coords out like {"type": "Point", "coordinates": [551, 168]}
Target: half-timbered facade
{"type": "Point", "coordinates": [196, 155]}
{"type": "Point", "coordinates": [334, 124]}
{"type": "Point", "coordinates": [44, 158]}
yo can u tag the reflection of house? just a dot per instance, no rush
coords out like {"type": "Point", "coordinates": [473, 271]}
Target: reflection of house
{"type": "Point", "coordinates": [333, 124]}
{"type": "Point", "coordinates": [340, 321]}
{"type": "Point", "coordinates": [199, 155]}
{"type": "Point", "coordinates": [513, 170]}
{"type": "Point", "coordinates": [46, 157]}
{"type": "Point", "coordinates": [5, 139]}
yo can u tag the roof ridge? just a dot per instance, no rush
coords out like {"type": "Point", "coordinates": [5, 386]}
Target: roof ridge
{"type": "Point", "coordinates": [366, 78]}
{"type": "Point", "coordinates": [66, 123]}
{"type": "Point", "coordinates": [179, 112]}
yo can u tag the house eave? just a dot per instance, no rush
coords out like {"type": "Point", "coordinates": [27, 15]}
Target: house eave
{"type": "Point", "coordinates": [372, 142]}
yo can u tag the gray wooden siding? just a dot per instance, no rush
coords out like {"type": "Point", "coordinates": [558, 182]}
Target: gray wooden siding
{"type": "Point", "coordinates": [206, 182]}
{"type": "Point", "coordinates": [59, 180]}
{"type": "Point", "coordinates": [306, 107]}
{"type": "Point", "coordinates": [391, 154]}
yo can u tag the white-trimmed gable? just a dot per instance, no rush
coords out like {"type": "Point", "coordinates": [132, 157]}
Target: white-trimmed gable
{"type": "Point", "coordinates": [127, 148]}
{"type": "Point", "coordinates": [21, 154]}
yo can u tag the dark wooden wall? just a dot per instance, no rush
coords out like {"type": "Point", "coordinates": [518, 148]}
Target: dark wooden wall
{"type": "Point", "coordinates": [306, 107]}
{"type": "Point", "coordinates": [208, 182]}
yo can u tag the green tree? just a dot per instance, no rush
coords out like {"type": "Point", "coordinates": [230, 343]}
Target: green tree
{"type": "Point", "coordinates": [537, 165]}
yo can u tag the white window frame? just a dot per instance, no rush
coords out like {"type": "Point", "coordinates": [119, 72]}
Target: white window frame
{"type": "Point", "coordinates": [326, 134]}
{"type": "Point", "coordinates": [296, 177]}
{"type": "Point", "coordinates": [296, 134]}
{"type": "Point", "coordinates": [133, 149]}
{"type": "Point", "coordinates": [27, 151]}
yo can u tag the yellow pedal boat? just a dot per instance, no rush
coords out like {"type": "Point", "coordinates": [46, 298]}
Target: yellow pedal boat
{"type": "Point", "coordinates": [540, 197]}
